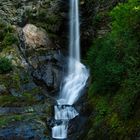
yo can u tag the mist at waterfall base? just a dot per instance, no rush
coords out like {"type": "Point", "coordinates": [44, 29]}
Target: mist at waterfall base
{"type": "Point", "coordinates": [75, 80]}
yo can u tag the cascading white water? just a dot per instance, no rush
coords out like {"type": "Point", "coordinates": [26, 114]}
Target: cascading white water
{"type": "Point", "coordinates": [75, 80]}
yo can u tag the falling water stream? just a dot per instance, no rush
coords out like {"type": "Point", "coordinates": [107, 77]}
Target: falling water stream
{"type": "Point", "coordinates": [75, 80]}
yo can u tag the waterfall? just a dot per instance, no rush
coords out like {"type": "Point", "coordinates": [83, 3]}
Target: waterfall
{"type": "Point", "coordinates": [75, 80]}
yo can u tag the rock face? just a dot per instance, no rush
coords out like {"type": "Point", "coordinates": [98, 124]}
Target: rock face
{"type": "Point", "coordinates": [48, 75]}
{"type": "Point", "coordinates": [36, 37]}
{"type": "Point", "coordinates": [49, 14]}
{"type": "Point", "coordinates": [24, 123]}
{"type": "Point", "coordinates": [37, 67]}
{"type": "Point", "coordinates": [23, 131]}
{"type": "Point", "coordinates": [45, 62]}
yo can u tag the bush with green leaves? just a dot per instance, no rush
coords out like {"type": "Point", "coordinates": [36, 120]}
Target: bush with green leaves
{"type": "Point", "coordinates": [114, 61]}
{"type": "Point", "coordinates": [2, 30]}
{"type": "Point", "coordinates": [115, 58]}
{"type": "Point", "coordinates": [9, 39]}
{"type": "Point", "coordinates": [7, 35]}
{"type": "Point", "coordinates": [5, 65]}
{"type": "Point", "coordinates": [107, 67]}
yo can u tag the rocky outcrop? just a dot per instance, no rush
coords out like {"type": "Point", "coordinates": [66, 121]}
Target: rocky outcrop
{"type": "Point", "coordinates": [43, 58]}
{"type": "Point", "coordinates": [36, 38]}
{"type": "Point", "coordinates": [24, 131]}
{"type": "Point", "coordinates": [48, 14]}
{"type": "Point", "coordinates": [50, 75]}
{"type": "Point", "coordinates": [36, 68]}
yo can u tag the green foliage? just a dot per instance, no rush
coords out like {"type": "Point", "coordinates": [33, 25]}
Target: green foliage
{"type": "Point", "coordinates": [9, 39]}
{"type": "Point", "coordinates": [115, 58]}
{"type": "Point", "coordinates": [107, 67]}
{"type": "Point", "coordinates": [123, 104]}
{"type": "Point", "coordinates": [114, 121]}
{"type": "Point", "coordinates": [125, 23]}
{"type": "Point", "coordinates": [115, 70]}
{"type": "Point", "coordinates": [2, 32]}
{"type": "Point", "coordinates": [5, 120]}
{"type": "Point", "coordinates": [27, 98]}
{"type": "Point", "coordinates": [7, 35]}
{"type": "Point", "coordinates": [5, 65]}
{"type": "Point", "coordinates": [7, 100]}
{"type": "Point", "coordinates": [102, 106]}
{"type": "Point", "coordinates": [16, 80]}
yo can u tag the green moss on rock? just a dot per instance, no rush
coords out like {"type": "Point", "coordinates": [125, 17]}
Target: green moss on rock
{"type": "Point", "coordinates": [9, 39]}
{"type": "Point", "coordinates": [5, 65]}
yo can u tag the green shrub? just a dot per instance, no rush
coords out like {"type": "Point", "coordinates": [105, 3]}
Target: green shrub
{"type": "Point", "coordinates": [107, 67]}
{"type": "Point", "coordinates": [2, 30]}
{"type": "Point", "coordinates": [114, 61]}
{"type": "Point", "coordinates": [9, 39]}
{"type": "Point", "coordinates": [5, 65]}
{"type": "Point", "coordinates": [7, 35]}
{"type": "Point", "coordinates": [102, 107]}
{"type": "Point", "coordinates": [115, 57]}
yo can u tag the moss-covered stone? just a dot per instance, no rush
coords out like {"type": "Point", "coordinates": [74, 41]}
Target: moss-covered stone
{"type": "Point", "coordinates": [5, 120]}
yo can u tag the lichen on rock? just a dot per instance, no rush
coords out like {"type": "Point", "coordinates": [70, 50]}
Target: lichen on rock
{"type": "Point", "coordinates": [36, 37]}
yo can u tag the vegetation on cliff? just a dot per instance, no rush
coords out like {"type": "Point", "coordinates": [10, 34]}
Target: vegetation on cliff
{"type": "Point", "coordinates": [115, 76]}
{"type": "Point", "coordinates": [113, 59]}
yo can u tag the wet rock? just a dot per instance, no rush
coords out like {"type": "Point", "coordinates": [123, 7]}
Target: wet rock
{"type": "Point", "coordinates": [76, 126]}
{"type": "Point", "coordinates": [13, 110]}
{"type": "Point", "coordinates": [27, 123]}
{"type": "Point", "coordinates": [29, 86]}
{"type": "Point", "coordinates": [49, 75]}
{"type": "Point", "coordinates": [24, 131]}
{"type": "Point", "coordinates": [52, 122]}
{"type": "Point", "coordinates": [15, 93]}
{"type": "Point", "coordinates": [37, 109]}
